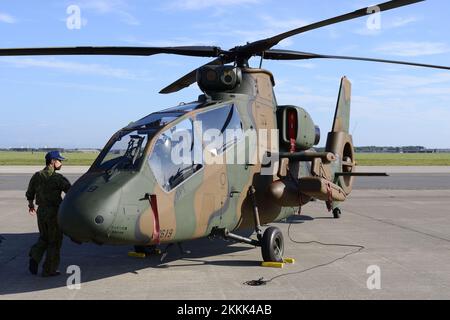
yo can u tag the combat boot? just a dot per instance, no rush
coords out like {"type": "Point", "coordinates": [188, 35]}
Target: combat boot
{"type": "Point", "coordinates": [33, 266]}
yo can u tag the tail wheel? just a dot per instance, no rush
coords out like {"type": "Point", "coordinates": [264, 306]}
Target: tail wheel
{"type": "Point", "coordinates": [272, 245]}
{"type": "Point", "coordinates": [336, 213]}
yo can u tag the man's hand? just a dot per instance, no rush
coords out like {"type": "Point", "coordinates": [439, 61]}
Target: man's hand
{"type": "Point", "coordinates": [31, 209]}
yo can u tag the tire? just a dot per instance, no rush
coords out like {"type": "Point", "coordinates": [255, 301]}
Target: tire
{"type": "Point", "coordinates": [336, 213]}
{"type": "Point", "coordinates": [272, 245]}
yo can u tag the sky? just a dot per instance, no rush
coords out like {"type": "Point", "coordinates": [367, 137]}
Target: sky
{"type": "Point", "coordinates": [80, 101]}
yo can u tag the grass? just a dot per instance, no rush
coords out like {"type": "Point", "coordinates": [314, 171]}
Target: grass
{"type": "Point", "coordinates": [363, 159]}
{"type": "Point", "coordinates": [403, 159]}
{"type": "Point", "coordinates": [38, 158]}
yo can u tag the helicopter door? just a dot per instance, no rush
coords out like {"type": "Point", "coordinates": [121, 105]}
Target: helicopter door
{"type": "Point", "coordinates": [179, 175]}
{"type": "Point", "coordinates": [221, 128]}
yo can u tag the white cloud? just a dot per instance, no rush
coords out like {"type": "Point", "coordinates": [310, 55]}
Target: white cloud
{"type": "Point", "coordinates": [205, 4]}
{"type": "Point", "coordinates": [387, 25]}
{"type": "Point", "coordinates": [72, 67]}
{"type": "Point", "coordinates": [441, 91]}
{"type": "Point", "coordinates": [266, 26]}
{"type": "Point", "coordinates": [401, 22]}
{"type": "Point", "coordinates": [368, 32]}
{"type": "Point", "coordinates": [312, 102]}
{"type": "Point", "coordinates": [404, 81]}
{"type": "Point", "coordinates": [6, 18]}
{"type": "Point", "coordinates": [413, 49]}
{"type": "Point", "coordinates": [411, 101]}
{"type": "Point", "coordinates": [174, 42]}
{"type": "Point", "coordinates": [68, 85]}
{"type": "Point", "coordinates": [408, 85]}
{"type": "Point", "coordinates": [283, 24]}
{"type": "Point", "coordinates": [116, 7]}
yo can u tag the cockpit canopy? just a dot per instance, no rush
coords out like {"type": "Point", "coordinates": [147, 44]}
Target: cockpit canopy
{"type": "Point", "coordinates": [126, 149]}
{"type": "Point", "coordinates": [178, 150]}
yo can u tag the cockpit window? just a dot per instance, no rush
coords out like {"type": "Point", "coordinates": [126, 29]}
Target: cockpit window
{"type": "Point", "coordinates": [155, 120]}
{"type": "Point", "coordinates": [172, 158]}
{"type": "Point", "coordinates": [225, 124]}
{"type": "Point", "coordinates": [126, 151]}
{"type": "Point", "coordinates": [164, 117]}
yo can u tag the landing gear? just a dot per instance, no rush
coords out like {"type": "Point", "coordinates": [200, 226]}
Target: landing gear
{"type": "Point", "coordinates": [336, 213]}
{"type": "Point", "coordinates": [166, 250]}
{"type": "Point", "coordinates": [271, 241]}
{"type": "Point", "coordinates": [272, 245]}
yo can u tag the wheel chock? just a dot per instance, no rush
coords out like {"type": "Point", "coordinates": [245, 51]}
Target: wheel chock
{"type": "Point", "coordinates": [136, 254]}
{"type": "Point", "coordinates": [289, 260]}
{"type": "Point", "coordinates": [271, 264]}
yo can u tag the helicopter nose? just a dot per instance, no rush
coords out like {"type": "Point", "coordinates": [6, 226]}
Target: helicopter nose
{"type": "Point", "coordinates": [84, 224]}
{"type": "Point", "coordinates": [88, 211]}
{"type": "Point", "coordinates": [74, 224]}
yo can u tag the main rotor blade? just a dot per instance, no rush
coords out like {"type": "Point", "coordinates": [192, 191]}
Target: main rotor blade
{"type": "Point", "coordinates": [265, 44]}
{"type": "Point", "coordinates": [196, 51]}
{"type": "Point", "coordinates": [188, 79]}
{"type": "Point", "coordinates": [297, 55]}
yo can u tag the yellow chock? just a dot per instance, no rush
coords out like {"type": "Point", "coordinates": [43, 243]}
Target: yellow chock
{"type": "Point", "coordinates": [136, 254]}
{"type": "Point", "coordinates": [289, 260]}
{"type": "Point", "coordinates": [271, 264]}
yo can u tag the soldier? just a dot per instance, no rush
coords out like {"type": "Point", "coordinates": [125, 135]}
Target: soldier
{"type": "Point", "coordinates": [45, 187]}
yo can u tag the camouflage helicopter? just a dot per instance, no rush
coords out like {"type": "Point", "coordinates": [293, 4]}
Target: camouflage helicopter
{"type": "Point", "coordinates": [135, 193]}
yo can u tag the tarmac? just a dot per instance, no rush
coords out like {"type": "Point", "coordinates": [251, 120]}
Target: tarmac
{"type": "Point", "coordinates": [402, 224]}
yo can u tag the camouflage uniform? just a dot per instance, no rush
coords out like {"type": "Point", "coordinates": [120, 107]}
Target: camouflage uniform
{"type": "Point", "coordinates": [45, 187]}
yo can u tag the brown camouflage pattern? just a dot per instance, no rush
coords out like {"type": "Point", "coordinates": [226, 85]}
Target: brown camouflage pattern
{"type": "Point", "coordinates": [216, 195]}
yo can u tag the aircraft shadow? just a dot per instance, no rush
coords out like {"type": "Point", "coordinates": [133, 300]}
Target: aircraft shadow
{"type": "Point", "coordinates": [100, 262]}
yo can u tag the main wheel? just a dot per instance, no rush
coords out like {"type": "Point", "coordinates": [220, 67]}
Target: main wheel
{"type": "Point", "coordinates": [336, 213]}
{"type": "Point", "coordinates": [272, 245]}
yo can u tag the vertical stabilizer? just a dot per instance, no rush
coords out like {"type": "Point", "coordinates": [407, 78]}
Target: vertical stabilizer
{"type": "Point", "coordinates": [341, 121]}
{"type": "Point", "coordinates": [339, 141]}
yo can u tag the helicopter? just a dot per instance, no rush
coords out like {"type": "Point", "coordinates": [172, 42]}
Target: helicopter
{"type": "Point", "coordinates": [231, 160]}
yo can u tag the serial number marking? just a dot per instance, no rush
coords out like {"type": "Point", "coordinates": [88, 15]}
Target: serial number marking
{"type": "Point", "coordinates": [165, 233]}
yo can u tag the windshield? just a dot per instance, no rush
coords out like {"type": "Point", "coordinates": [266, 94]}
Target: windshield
{"type": "Point", "coordinates": [126, 151]}
{"type": "Point", "coordinates": [127, 148]}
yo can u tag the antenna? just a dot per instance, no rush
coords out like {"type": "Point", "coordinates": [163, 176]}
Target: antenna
{"type": "Point", "coordinates": [354, 128]}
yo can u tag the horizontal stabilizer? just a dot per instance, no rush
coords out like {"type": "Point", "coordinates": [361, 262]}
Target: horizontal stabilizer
{"type": "Point", "coordinates": [361, 174]}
